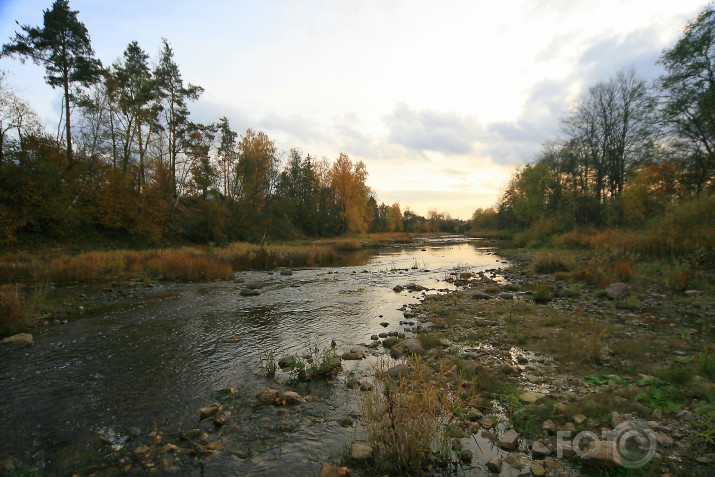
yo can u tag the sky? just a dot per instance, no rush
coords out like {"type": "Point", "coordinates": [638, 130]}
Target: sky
{"type": "Point", "coordinates": [442, 100]}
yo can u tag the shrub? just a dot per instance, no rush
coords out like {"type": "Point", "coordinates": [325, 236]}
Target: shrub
{"type": "Point", "coordinates": [551, 262]}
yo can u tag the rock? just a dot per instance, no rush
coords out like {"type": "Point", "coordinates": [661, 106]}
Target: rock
{"type": "Point", "coordinates": [286, 273]}
{"type": "Point", "coordinates": [522, 359]}
{"type": "Point", "coordinates": [354, 354]}
{"type": "Point", "coordinates": [531, 396]}
{"type": "Point", "coordinates": [478, 295]}
{"type": "Point", "coordinates": [398, 289]}
{"type": "Point", "coordinates": [539, 450]}
{"type": "Point", "coordinates": [548, 426]}
{"type": "Point", "coordinates": [360, 450]}
{"type": "Point", "coordinates": [663, 440]}
{"type": "Point", "coordinates": [506, 296]}
{"type": "Point", "coordinates": [268, 396]}
{"type": "Point", "coordinates": [399, 370]}
{"type": "Point", "coordinates": [277, 398]}
{"type": "Point", "coordinates": [250, 292]}
{"type": "Point", "coordinates": [22, 339]}
{"type": "Point", "coordinates": [330, 470]}
{"type": "Point", "coordinates": [466, 456]}
{"type": "Point", "coordinates": [616, 291]}
{"type": "Point", "coordinates": [685, 415]}
{"type": "Point", "coordinates": [232, 339]}
{"type": "Point", "coordinates": [208, 411]}
{"type": "Point", "coordinates": [365, 385]}
{"type": "Point", "coordinates": [292, 397]}
{"type": "Point", "coordinates": [706, 459]}
{"type": "Point", "coordinates": [287, 362]}
{"type": "Point", "coordinates": [579, 419]}
{"type": "Point", "coordinates": [411, 346]}
{"type": "Point", "coordinates": [390, 341]}
{"type": "Point", "coordinates": [603, 454]}
{"type": "Point", "coordinates": [255, 285]}
{"type": "Point", "coordinates": [345, 421]}
{"type": "Point", "coordinates": [375, 337]}
{"type": "Point", "coordinates": [413, 287]}
{"type": "Point", "coordinates": [494, 465]}
{"type": "Point", "coordinates": [509, 440]}
{"type": "Point", "coordinates": [514, 460]}
{"type": "Point", "coordinates": [537, 469]}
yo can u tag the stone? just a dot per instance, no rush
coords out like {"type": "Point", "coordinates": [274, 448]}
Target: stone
{"type": "Point", "coordinates": [514, 460]}
{"type": "Point", "coordinates": [399, 370]}
{"type": "Point", "coordinates": [292, 397]}
{"type": "Point", "coordinates": [531, 396]}
{"type": "Point", "coordinates": [208, 411]}
{"type": "Point", "coordinates": [616, 291]}
{"type": "Point", "coordinates": [250, 292]}
{"type": "Point", "coordinates": [360, 450]}
{"type": "Point", "coordinates": [255, 285]}
{"type": "Point", "coordinates": [487, 422]}
{"type": "Point", "coordinates": [706, 459]}
{"type": "Point", "coordinates": [509, 440]}
{"type": "Point", "coordinates": [548, 427]}
{"type": "Point", "coordinates": [478, 295]}
{"type": "Point", "coordinates": [286, 273]}
{"type": "Point", "coordinates": [663, 440]}
{"type": "Point", "coordinates": [232, 339]}
{"type": "Point", "coordinates": [537, 469]}
{"type": "Point", "coordinates": [466, 456]}
{"type": "Point", "coordinates": [494, 465]}
{"type": "Point", "coordinates": [22, 339]}
{"type": "Point", "coordinates": [353, 355]}
{"type": "Point", "coordinates": [685, 415]}
{"type": "Point", "coordinates": [506, 296]}
{"type": "Point", "coordinates": [603, 454]}
{"type": "Point", "coordinates": [398, 289]}
{"type": "Point", "coordinates": [538, 450]}
{"type": "Point", "coordinates": [287, 362]}
{"type": "Point", "coordinates": [390, 341]}
{"type": "Point", "coordinates": [579, 419]}
{"type": "Point", "coordinates": [330, 470]}
{"type": "Point", "coordinates": [408, 347]}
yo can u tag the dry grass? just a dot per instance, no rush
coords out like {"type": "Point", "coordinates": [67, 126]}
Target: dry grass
{"type": "Point", "coordinates": [187, 263]}
{"type": "Point", "coordinates": [13, 311]}
{"type": "Point", "coordinates": [408, 418]}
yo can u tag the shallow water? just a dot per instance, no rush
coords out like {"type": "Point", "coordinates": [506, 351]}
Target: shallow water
{"type": "Point", "coordinates": [150, 363]}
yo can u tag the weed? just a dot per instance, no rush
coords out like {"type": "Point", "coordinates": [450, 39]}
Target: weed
{"type": "Point", "coordinates": [542, 294]}
{"type": "Point", "coordinates": [267, 362]}
{"type": "Point", "coordinates": [408, 418]}
{"type": "Point", "coordinates": [551, 262]}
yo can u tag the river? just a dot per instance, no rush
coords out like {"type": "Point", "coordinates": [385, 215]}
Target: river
{"type": "Point", "coordinates": [144, 365]}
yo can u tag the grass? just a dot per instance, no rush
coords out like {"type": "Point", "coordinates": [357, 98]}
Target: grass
{"type": "Point", "coordinates": [408, 419]}
{"type": "Point", "coordinates": [13, 310]}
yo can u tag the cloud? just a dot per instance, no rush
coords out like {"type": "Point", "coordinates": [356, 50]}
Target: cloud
{"type": "Point", "coordinates": [429, 130]}
{"type": "Point", "coordinates": [608, 56]}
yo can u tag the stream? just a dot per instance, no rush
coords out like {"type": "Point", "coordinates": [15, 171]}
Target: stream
{"type": "Point", "coordinates": [146, 364]}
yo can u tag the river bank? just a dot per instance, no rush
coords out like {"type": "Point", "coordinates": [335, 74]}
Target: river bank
{"type": "Point", "coordinates": [558, 365]}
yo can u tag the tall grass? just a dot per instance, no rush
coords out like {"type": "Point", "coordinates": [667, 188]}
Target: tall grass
{"type": "Point", "coordinates": [186, 263]}
{"type": "Point", "coordinates": [13, 311]}
{"type": "Point", "coordinates": [408, 418]}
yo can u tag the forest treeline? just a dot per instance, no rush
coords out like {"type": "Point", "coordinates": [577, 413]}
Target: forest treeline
{"type": "Point", "coordinates": [129, 162]}
{"type": "Point", "coordinates": [633, 155]}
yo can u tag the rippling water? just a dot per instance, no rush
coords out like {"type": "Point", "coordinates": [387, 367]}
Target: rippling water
{"type": "Point", "coordinates": [154, 361]}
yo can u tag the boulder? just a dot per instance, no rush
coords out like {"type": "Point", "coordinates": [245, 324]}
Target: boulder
{"type": "Point", "coordinates": [286, 273]}
{"type": "Point", "coordinates": [208, 411]}
{"type": "Point", "coordinates": [250, 292]}
{"type": "Point", "coordinates": [330, 470]}
{"type": "Point", "coordinates": [399, 370]}
{"type": "Point", "coordinates": [398, 289]}
{"type": "Point", "coordinates": [537, 469]}
{"type": "Point", "coordinates": [616, 291]}
{"type": "Point", "coordinates": [255, 285]}
{"type": "Point", "coordinates": [539, 450]}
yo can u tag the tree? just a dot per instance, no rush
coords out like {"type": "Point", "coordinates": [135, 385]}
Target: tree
{"type": "Point", "coordinates": [174, 95]}
{"type": "Point", "coordinates": [351, 193]}
{"type": "Point", "coordinates": [688, 96]}
{"type": "Point", "coordinates": [15, 115]}
{"type": "Point", "coordinates": [63, 46]}
{"type": "Point", "coordinates": [134, 86]}
{"type": "Point", "coordinates": [227, 154]}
